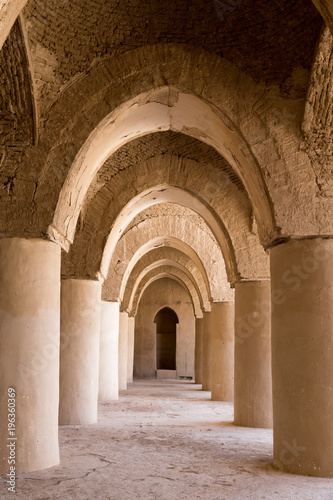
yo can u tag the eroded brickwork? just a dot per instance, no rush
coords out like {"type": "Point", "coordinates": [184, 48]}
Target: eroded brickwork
{"type": "Point", "coordinates": [154, 145]}
{"type": "Point", "coordinates": [16, 112]}
{"type": "Point", "coordinates": [318, 119]}
{"type": "Point", "coordinates": [67, 37]}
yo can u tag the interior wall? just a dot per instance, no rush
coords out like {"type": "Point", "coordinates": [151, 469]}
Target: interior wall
{"type": "Point", "coordinates": [165, 292]}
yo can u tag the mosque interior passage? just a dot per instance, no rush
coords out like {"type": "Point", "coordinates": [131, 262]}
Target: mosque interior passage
{"type": "Point", "coordinates": [166, 218]}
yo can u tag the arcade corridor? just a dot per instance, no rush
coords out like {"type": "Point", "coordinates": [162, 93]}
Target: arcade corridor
{"type": "Point", "coordinates": [166, 156]}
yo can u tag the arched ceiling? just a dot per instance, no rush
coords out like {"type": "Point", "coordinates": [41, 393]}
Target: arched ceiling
{"type": "Point", "coordinates": [165, 256]}
{"type": "Point", "coordinates": [174, 288]}
{"type": "Point", "coordinates": [269, 125]}
{"type": "Point", "coordinates": [147, 255]}
{"type": "Point", "coordinates": [213, 182]}
{"type": "Point", "coordinates": [165, 225]}
{"type": "Point", "coordinates": [213, 140]}
{"type": "Point", "coordinates": [154, 145]}
{"type": "Point", "coordinates": [267, 40]}
{"type": "Point", "coordinates": [215, 148]}
{"type": "Point", "coordinates": [163, 109]}
{"type": "Point", "coordinates": [166, 268]}
{"type": "Point", "coordinates": [183, 215]}
{"type": "Point", "coordinates": [165, 193]}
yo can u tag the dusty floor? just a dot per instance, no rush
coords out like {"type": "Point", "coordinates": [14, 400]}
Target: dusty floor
{"type": "Point", "coordinates": [166, 440]}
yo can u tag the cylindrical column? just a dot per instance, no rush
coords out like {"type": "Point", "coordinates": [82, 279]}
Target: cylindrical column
{"type": "Point", "coordinates": [253, 372]}
{"type": "Point", "coordinates": [302, 364]}
{"type": "Point", "coordinates": [122, 351]}
{"type": "Point", "coordinates": [130, 349]}
{"type": "Point", "coordinates": [206, 352]}
{"type": "Point", "coordinates": [108, 352]}
{"type": "Point", "coordinates": [223, 344]}
{"type": "Point", "coordinates": [29, 352]}
{"type": "Point", "coordinates": [198, 349]}
{"type": "Point", "coordinates": [79, 357]}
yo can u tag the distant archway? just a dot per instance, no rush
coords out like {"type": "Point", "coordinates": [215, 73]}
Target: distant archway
{"type": "Point", "coordinates": [166, 336]}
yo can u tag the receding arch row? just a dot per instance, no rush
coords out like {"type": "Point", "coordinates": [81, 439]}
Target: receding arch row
{"type": "Point", "coordinates": [107, 85]}
{"type": "Point", "coordinates": [168, 255]}
{"type": "Point", "coordinates": [180, 263]}
{"type": "Point", "coordinates": [154, 250]}
{"type": "Point", "coordinates": [169, 179]}
{"type": "Point", "coordinates": [169, 194]}
{"type": "Point", "coordinates": [155, 229]}
{"type": "Point", "coordinates": [161, 109]}
{"type": "Point", "coordinates": [157, 271]}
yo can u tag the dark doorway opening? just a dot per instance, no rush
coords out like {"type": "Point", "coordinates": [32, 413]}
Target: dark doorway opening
{"type": "Point", "coordinates": [166, 320]}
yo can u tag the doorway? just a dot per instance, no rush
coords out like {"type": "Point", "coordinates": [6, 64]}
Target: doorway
{"type": "Point", "coordinates": [166, 336]}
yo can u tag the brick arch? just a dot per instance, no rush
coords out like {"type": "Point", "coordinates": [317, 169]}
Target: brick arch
{"type": "Point", "coordinates": [157, 271]}
{"type": "Point", "coordinates": [163, 109]}
{"type": "Point", "coordinates": [181, 257]}
{"type": "Point", "coordinates": [268, 122]}
{"type": "Point", "coordinates": [160, 194]}
{"type": "Point", "coordinates": [157, 249]}
{"type": "Point", "coordinates": [161, 231]}
{"type": "Point", "coordinates": [9, 12]}
{"type": "Point", "coordinates": [85, 104]}
{"type": "Point", "coordinates": [206, 191]}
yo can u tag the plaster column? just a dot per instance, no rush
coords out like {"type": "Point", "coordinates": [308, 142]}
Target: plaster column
{"type": "Point", "coordinates": [198, 349]}
{"type": "Point", "coordinates": [122, 351]}
{"type": "Point", "coordinates": [79, 356]}
{"type": "Point", "coordinates": [29, 351]}
{"type": "Point", "coordinates": [253, 370]}
{"type": "Point", "coordinates": [302, 356]}
{"type": "Point", "coordinates": [223, 345]}
{"type": "Point", "coordinates": [108, 352]}
{"type": "Point", "coordinates": [130, 349]}
{"type": "Point", "coordinates": [206, 352]}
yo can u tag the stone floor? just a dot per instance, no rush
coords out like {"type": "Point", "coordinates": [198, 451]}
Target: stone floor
{"type": "Point", "coordinates": [166, 440]}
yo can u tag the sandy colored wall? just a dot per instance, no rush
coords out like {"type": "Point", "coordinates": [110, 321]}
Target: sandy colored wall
{"type": "Point", "coordinates": [164, 293]}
